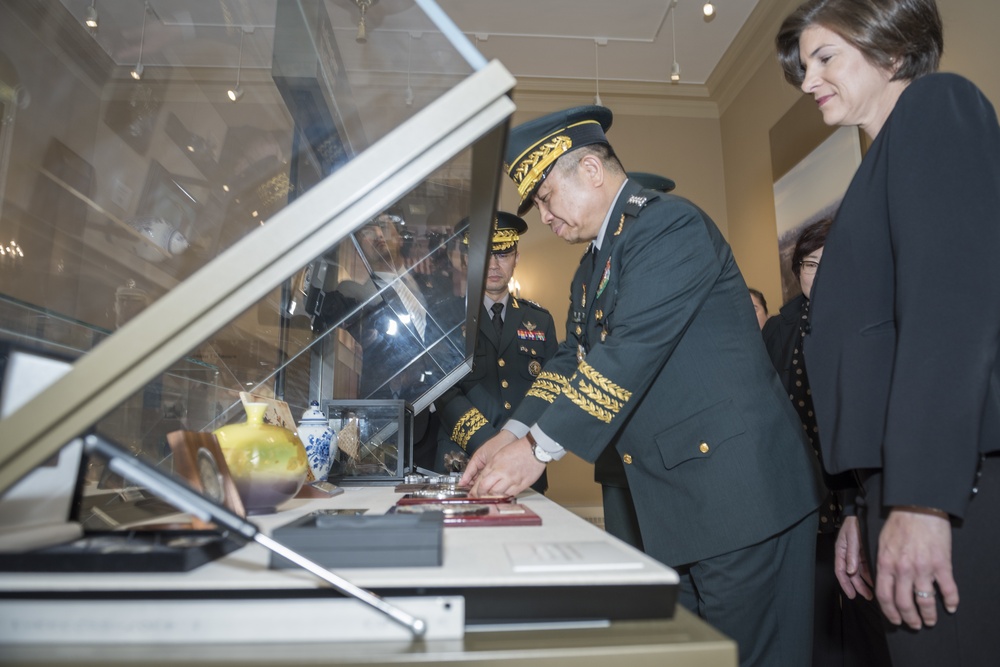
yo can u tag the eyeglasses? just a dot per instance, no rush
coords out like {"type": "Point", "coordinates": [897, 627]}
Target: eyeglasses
{"type": "Point", "coordinates": [808, 267]}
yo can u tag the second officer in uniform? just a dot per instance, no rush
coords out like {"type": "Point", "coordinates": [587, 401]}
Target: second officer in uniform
{"type": "Point", "coordinates": [515, 339]}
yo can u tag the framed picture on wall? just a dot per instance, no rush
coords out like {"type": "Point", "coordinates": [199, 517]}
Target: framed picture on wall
{"type": "Point", "coordinates": [277, 414]}
{"type": "Point", "coordinates": [133, 113]}
{"type": "Point", "coordinates": [812, 165]}
{"type": "Point", "coordinates": [198, 459]}
{"type": "Point", "coordinates": [164, 197]}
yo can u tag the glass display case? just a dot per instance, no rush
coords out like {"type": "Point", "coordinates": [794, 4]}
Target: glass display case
{"type": "Point", "coordinates": [373, 437]}
{"type": "Point", "coordinates": [286, 198]}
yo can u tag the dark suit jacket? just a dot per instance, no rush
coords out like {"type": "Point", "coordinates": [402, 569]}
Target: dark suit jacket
{"type": "Point", "coordinates": [475, 409]}
{"type": "Point", "coordinates": [905, 330]}
{"type": "Point", "coordinates": [677, 379]}
{"type": "Point", "coordinates": [780, 334]}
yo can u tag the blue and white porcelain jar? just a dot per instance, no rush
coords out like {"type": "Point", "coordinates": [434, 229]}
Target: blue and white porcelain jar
{"type": "Point", "coordinates": [319, 439]}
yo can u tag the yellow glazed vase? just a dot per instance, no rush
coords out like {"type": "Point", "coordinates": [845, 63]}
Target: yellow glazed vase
{"type": "Point", "coordinates": [268, 463]}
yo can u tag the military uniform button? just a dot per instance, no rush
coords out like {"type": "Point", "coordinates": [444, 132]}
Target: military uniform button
{"type": "Point", "coordinates": [506, 405]}
{"type": "Point", "coordinates": [579, 330]}
{"type": "Point", "coordinates": [703, 448]}
{"type": "Point", "coordinates": [504, 384]}
{"type": "Point", "coordinates": [501, 363]}
{"type": "Point", "coordinates": [627, 458]}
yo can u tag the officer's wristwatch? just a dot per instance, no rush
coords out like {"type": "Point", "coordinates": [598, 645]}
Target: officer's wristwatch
{"type": "Point", "coordinates": [539, 453]}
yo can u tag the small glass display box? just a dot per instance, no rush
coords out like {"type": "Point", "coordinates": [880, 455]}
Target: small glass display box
{"type": "Point", "coordinates": [374, 440]}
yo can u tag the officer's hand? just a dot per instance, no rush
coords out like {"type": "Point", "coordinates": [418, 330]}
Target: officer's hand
{"type": "Point", "coordinates": [509, 471]}
{"type": "Point", "coordinates": [484, 454]}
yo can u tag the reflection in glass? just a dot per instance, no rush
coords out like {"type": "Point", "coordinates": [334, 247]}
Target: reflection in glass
{"type": "Point", "coordinates": [114, 192]}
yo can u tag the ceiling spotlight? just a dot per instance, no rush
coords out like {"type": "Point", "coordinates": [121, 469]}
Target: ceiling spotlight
{"type": "Point", "coordinates": [90, 16]}
{"type": "Point", "coordinates": [137, 70]}
{"type": "Point", "coordinates": [235, 93]}
{"type": "Point", "coordinates": [709, 9]}
{"type": "Point", "coordinates": [675, 69]}
{"type": "Point", "coordinates": [364, 6]}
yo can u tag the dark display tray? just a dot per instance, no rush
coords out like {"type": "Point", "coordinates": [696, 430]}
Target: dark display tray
{"type": "Point", "coordinates": [387, 540]}
{"type": "Point", "coordinates": [121, 551]}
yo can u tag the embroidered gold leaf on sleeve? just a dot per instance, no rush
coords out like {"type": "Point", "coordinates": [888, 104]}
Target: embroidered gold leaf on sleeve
{"type": "Point", "coordinates": [595, 394]}
{"type": "Point", "coordinates": [547, 386]}
{"type": "Point", "coordinates": [588, 406]}
{"type": "Point", "coordinates": [603, 383]}
{"type": "Point", "coordinates": [466, 427]}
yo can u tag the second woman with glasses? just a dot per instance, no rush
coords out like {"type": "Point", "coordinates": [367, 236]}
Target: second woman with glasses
{"type": "Point", "coordinates": [846, 632]}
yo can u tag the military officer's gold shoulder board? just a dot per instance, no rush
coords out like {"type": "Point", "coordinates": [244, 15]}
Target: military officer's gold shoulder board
{"type": "Point", "coordinates": [532, 304]}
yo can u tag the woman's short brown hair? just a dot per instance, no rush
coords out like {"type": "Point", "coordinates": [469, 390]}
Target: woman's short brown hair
{"type": "Point", "coordinates": [901, 34]}
{"type": "Point", "coordinates": [811, 239]}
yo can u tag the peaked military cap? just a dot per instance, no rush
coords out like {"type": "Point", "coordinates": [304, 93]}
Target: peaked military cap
{"type": "Point", "coordinates": [533, 147]}
{"type": "Point", "coordinates": [652, 181]}
{"type": "Point", "coordinates": [507, 229]}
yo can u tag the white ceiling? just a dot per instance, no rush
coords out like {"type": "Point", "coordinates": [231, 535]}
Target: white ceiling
{"type": "Point", "coordinates": [559, 38]}
{"type": "Point", "coordinates": [624, 40]}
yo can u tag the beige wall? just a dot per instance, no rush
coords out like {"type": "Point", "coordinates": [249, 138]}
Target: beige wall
{"type": "Point", "coordinates": [723, 164]}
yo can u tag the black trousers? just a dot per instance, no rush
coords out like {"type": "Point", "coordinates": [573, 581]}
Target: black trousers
{"type": "Point", "coordinates": [620, 519]}
{"type": "Point", "coordinates": [970, 637]}
{"type": "Point", "coordinates": [760, 596]}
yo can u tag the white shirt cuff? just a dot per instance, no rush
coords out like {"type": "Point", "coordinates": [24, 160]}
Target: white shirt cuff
{"type": "Point", "coordinates": [519, 429]}
{"type": "Point", "coordinates": [553, 448]}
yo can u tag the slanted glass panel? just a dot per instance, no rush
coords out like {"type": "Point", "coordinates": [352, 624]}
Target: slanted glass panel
{"type": "Point", "coordinates": [125, 203]}
{"type": "Point", "coordinates": [379, 315]}
{"type": "Point", "coordinates": [390, 305]}
{"type": "Point", "coordinates": [115, 189]}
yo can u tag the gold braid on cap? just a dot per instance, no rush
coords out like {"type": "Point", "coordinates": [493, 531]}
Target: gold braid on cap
{"type": "Point", "coordinates": [529, 170]}
{"type": "Point", "coordinates": [504, 239]}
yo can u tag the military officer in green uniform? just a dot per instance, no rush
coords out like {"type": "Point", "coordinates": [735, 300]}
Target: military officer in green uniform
{"type": "Point", "coordinates": [619, 511]}
{"type": "Point", "coordinates": [515, 339]}
{"type": "Point", "coordinates": [664, 362]}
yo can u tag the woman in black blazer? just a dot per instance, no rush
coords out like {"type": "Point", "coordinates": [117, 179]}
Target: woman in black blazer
{"type": "Point", "coordinates": [905, 322]}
